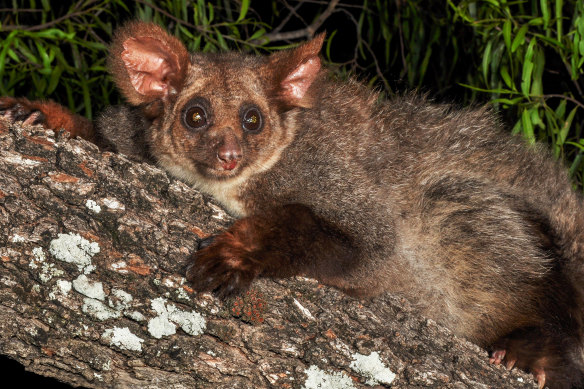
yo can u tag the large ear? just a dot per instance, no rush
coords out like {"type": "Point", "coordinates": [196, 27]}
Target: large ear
{"type": "Point", "coordinates": [146, 62]}
{"type": "Point", "coordinates": [293, 72]}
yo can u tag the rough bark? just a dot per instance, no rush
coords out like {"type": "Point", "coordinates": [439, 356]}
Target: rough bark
{"type": "Point", "coordinates": [92, 252]}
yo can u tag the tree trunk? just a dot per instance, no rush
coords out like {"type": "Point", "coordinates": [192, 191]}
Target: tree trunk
{"type": "Point", "coordinates": [93, 250]}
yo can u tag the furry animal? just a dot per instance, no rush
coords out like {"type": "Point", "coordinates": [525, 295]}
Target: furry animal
{"type": "Point", "coordinates": [482, 232]}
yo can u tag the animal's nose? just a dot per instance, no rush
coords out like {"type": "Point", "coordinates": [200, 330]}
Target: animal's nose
{"type": "Point", "coordinates": [229, 153]}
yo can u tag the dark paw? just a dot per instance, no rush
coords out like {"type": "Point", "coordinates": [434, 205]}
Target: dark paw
{"type": "Point", "coordinates": [222, 266]}
{"type": "Point", "coordinates": [20, 110]}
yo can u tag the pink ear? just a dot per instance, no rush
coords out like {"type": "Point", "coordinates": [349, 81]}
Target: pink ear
{"type": "Point", "coordinates": [146, 62]}
{"type": "Point", "coordinates": [151, 65]}
{"type": "Point", "coordinates": [295, 71]}
{"type": "Point", "coordinates": [295, 85]}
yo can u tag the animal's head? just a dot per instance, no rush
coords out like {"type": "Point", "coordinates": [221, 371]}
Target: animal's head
{"type": "Point", "coordinates": [217, 117]}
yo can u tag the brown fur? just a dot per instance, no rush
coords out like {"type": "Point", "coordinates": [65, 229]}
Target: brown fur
{"type": "Point", "coordinates": [483, 233]}
{"type": "Point", "coordinates": [51, 114]}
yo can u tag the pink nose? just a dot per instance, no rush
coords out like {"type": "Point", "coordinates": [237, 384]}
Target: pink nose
{"type": "Point", "coordinates": [229, 153]}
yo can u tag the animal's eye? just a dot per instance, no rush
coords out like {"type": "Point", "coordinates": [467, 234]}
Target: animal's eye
{"type": "Point", "coordinates": [251, 120]}
{"type": "Point", "coordinates": [195, 117]}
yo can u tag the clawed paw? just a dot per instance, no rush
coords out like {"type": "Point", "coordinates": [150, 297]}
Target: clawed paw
{"type": "Point", "coordinates": [223, 265]}
{"type": "Point", "coordinates": [498, 356]}
{"type": "Point", "coordinates": [20, 110]}
{"type": "Point", "coordinates": [514, 353]}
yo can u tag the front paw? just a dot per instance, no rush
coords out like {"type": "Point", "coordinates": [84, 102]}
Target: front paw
{"type": "Point", "coordinates": [20, 110]}
{"type": "Point", "coordinates": [225, 266]}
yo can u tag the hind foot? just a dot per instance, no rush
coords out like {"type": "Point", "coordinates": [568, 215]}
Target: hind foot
{"type": "Point", "coordinates": [46, 113]}
{"type": "Point", "coordinates": [548, 358]}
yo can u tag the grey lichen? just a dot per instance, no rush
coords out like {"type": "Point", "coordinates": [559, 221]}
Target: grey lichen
{"type": "Point", "coordinates": [319, 379]}
{"type": "Point", "coordinates": [89, 288]}
{"type": "Point", "coordinates": [123, 338]}
{"type": "Point", "coordinates": [73, 248]}
{"type": "Point", "coordinates": [169, 316]}
{"type": "Point", "coordinates": [371, 367]}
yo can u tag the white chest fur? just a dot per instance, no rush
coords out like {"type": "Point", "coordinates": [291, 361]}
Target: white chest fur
{"type": "Point", "coordinates": [226, 192]}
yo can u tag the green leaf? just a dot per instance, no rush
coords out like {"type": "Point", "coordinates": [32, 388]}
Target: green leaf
{"type": "Point", "coordinates": [221, 40]}
{"type": "Point", "coordinates": [527, 127]}
{"type": "Point", "coordinates": [185, 31]}
{"type": "Point", "coordinates": [516, 128]}
{"type": "Point", "coordinates": [508, 101]}
{"type": "Point", "coordinates": [493, 91]}
{"type": "Point", "coordinates": [243, 11]}
{"type": "Point", "coordinates": [561, 109]}
{"type": "Point", "coordinates": [329, 43]}
{"type": "Point", "coordinates": [507, 33]}
{"type": "Point", "coordinates": [519, 38]}
{"type": "Point", "coordinates": [545, 12]}
{"type": "Point", "coordinates": [549, 40]}
{"type": "Point", "coordinates": [259, 33]}
{"type": "Point", "coordinates": [576, 163]}
{"type": "Point", "coordinates": [43, 54]}
{"type": "Point", "coordinates": [211, 12]}
{"type": "Point", "coordinates": [580, 146]}
{"type": "Point", "coordinates": [567, 124]}
{"type": "Point", "coordinates": [535, 118]}
{"type": "Point", "coordinates": [535, 22]}
{"type": "Point", "coordinates": [6, 43]}
{"type": "Point", "coordinates": [539, 66]}
{"type": "Point", "coordinates": [553, 130]}
{"type": "Point", "coordinates": [506, 77]}
{"type": "Point", "coordinates": [54, 79]}
{"type": "Point", "coordinates": [574, 68]}
{"type": "Point", "coordinates": [424, 65]}
{"type": "Point", "coordinates": [200, 16]}
{"type": "Point", "coordinates": [52, 33]}
{"type": "Point", "coordinates": [24, 50]}
{"type": "Point", "coordinates": [526, 78]}
{"type": "Point", "coordinates": [12, 55]}
{"type": "Point", "coordinates": [579, 23]}
{"type": "Point", "coordinates": [559, 19]}
{"type": "Point", "coordinates": [487, 61]}
{"type": "Point", "coordinates": [197, 44]}
{"type": "Point", "coordinates": [527, 69]}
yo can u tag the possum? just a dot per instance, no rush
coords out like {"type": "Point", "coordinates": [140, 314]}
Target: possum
{"type": "Point", "coordinates": [436, 203]}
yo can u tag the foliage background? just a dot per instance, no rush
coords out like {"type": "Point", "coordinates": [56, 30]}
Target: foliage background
{"type": "Point", "coordinates": [524, 56]}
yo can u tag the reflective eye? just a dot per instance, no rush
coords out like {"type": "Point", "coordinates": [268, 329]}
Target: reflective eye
{"type": "Point", "coordinates": [252, 120]}
{"type": "Point", "coordinates": [195, 117]}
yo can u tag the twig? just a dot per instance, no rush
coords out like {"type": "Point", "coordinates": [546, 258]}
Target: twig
{"type": "Point", "coordinates": [569, 69]}
{"type": "Point", "coordinates": [287, 18]}
{"type": "Point", "coordinates": [20, 10]}
{"type": "Point", "coordinates": [58, 20]}
{"type": "Point", "coordinates": [354, 62]}
{"type": "Point", "coordinates": [306, 32]}
{"type": "Point", "coordinates": [44, 25]}
{"type": "Point", "coordinates": [379, 71]}
{"type": "Point", "coordinates": [571, 99]}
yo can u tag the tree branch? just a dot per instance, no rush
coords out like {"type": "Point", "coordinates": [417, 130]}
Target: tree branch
{"type": "Point", "coordinates": [307, 32]}
{"type": "Point", "coordinates": [92, 292]}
